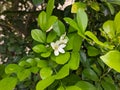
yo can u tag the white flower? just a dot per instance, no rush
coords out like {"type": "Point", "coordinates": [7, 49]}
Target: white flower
{"type": "Point", "coordinates": [59, 45]}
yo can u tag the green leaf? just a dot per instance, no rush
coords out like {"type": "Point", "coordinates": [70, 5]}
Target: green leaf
{"type": "Point", "coordinates": [112, 59]}
{"type": "Point", "coordinates": [36, 2]}
{"type": "Point", "coordinates": [92, 51]}
{"type": "Point", "coordinates": [31, 61]}
{"type": "Point", "coordinates": [73, 88]}
{"type": "Point", "coordinates": [12, 68]}
{"type": "Point", "coordinates": [41, 85]}
{"type": "Point", "coordinates": [61, 88]}
{"type": "Point", "coordinates": [115, 2]}
{"type": "Point", "coordinates": [110, 6]}
{"type": "Point", "coordinates": [74, 60]}
{"type": "Point", "coordinates": [59, 28]}
{"type": "Point", "coordinates": [108, 27]}
{"type": "Point", "coordinates": [23, 74]}
{"type": "Point", "coordinates": [34, 70]}
{"type": "Point", "coordinates": [51, 37]}
{"type": "Point", "coordinates": [42, 63]}
{"type": "Point", "coordinates": [63, 72]}
{"type": "Point", "coordinates": [90, 74]}
{"type": "Point", "coordinates": [46, 54]}
{"type": "Point", "coordinates": [8, 83]}
{"type": "Point", "coordinates": [82, 20]}
{"type": "Point", "coordinates": [24, 64]}
{"type": "Point", "coordinates": [39, 48]}
{"type": "Point", "coordinates": [42, 20]}
{"type": "Point", "coordinates": [117, 22]}
{"type": "Point", "coordinates": [85, 85]}
{"type": "Point", "coordinates": [77, 5]}
{"type": "Point", "coordinates": [50, 6]}
{"type": "Point", "coordinates": [95, 6]}
{"type": "Point", "coordinates": [45, 72]}
{"type": "Point", "coordinates": [72, 23]}
{"type": "Point", "coordinates": [38, 35]}
{"type": "Point", "coordinates": [62, 58]}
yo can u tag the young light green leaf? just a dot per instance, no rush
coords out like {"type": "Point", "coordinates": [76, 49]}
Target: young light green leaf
{"type": "Point", "coordinates": [74, 60]}
{"type": "Point", "coordinates": [108, 27]}
{"type": "Point", "coordinates": [73, 88]}
{"type": "Point", "coordinates": [94, 5]}
{"type": "Point", "coordinates": [117, 22]}
{"type": "Point", "coordinates": [8, 83]}
{"type": "Point", "coordinates": [85, 85]}
{"type": "Point", "coordinates": [61, 88]}
{"type": "Point", "coordinates": [42, 20]}
{"type": "Point", "coordinates": [112, 59]}
{"type": "Point", "coordinates": [38, 35]}
{"type": "Point", "coordinates": [63, 72]}
{"type": "Point", "coordinates": [41, 85]}
{"type": "Point", "coordinates": [59, 28]}
{"type": "Point", "coordinates": [72, 23]}
{"type": "Point", "coordinates": [50, 7]}
{"type": "Point", "coordinates": [42, 63]}
{"type": "Point", "coordinates": [39, 48]}
{"type": "Point", "coordinates": [45, 72]}
{"type": "Point", "coordinates": [90, 74]}
{"type": "Point", "coordinates": [23, 74]}
{"type": "Point", "coordinates": [31, 61]}
{"type": "Point", "coordinates": [12, 68]}
{"type": "Point", "coordinates": [82, 20]}
{"type": "Point", "coordinates": [62, 58]}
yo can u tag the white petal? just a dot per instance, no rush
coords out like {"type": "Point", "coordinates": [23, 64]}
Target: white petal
{"type": "Point", "coordinates": [62, 46]}
{"type": "Point", "coordinates": [61, 50]}
{"type": "Point", "coordinates": [52, 45]}
{"type": "Point", "coordinates": [56, 52]}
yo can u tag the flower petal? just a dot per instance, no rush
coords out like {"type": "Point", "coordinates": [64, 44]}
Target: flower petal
{"type": "Point", "coordinates": [61, 50]}
{"type": "Point", "coordinates": [56, 52]}
{"type": "Point", "coordinates": [52, 45]}
{"type": "Point", "coordinates": [62, 46]}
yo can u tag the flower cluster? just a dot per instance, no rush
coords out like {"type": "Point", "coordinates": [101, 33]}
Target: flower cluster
{"type": "Point", "coordinates": [59, 45]}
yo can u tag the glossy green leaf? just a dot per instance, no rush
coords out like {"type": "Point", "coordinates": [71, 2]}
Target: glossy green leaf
{"type": "Point", "coordinates": [108, 27]}
{"type": "Point", "coordinates": [31, 61]}
{"type": "Point", "coordinates": [82, 20]}
{"type": "Point", "coordinates": [42, 63]}
{"type": "Point", "coordinates": [38, 35]}
{"type": "Point", "coordinates": [24, 64]}
{"type": "Point", "coordinates": [12, 68]}
{"type": "Point", "coordinates": [59, 28]}
{"type": "Point", "coordinates": [50, 6]}
{"type": "Point", "coordinates": [42, 20]}
{"type": "Point", "coordinates": [74, 60]}
{"type": "Point", "coordinates": [90, 74]}
{"type": "Point", "coordinates": [8, 83]}
{"type": "Point", "coordinates": [34, 69]}
{"type": "Point", "coordinates": [92, 51]}
{"type": "Point", "coordinates": [62, 58]}
{"type": "Point", "coordinates": [63, 72]}
{"type": "Point", "coordinates": [39, 48]}
{"type": "Point", "coordinates": [112, 59]}
{"type": "Point", "coordinates": [73, 88]}
{"type": "Point", "coordinates": [117, 22]}
{"type": "Point", "coordinates": [23, 74]}
{"type": "Point", "coordinates": [85, 85]}
{"type": "Point", "coordinates": [45, 72]}
{"type": "Point", "coordinates": [46, 54]}
{"type": "Point", "coordinates": [61, 88]}
{"type": "Point", "coordinates": [110, 6]}
{"type": "Point", "coordinates": [41, 85]}
{"type": "Point", "coordinates": [95, 6]}
{"type": "Point", "coordinates": [51, 37]}
{"type": "Point", "coordinates": [72, 23]}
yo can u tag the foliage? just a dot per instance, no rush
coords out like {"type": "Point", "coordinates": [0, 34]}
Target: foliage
{"type": "Point", "coordinates": [77, 48]}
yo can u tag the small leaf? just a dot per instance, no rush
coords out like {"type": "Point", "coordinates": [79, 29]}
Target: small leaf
{"type": "Point", "coordinates": [12, 68]}
{"type": "Point", "coordinates": [112, 59]}
{"type": "Point", "coordinates": [39, 48]}
{"type": "Point", "coordinates": [63, 72]}
{"type": "Point", "coordinates": [108, 27]}
{"type": "Point", "coordinates": [73, 88]}
{"type": "Point", "coordinates": [85, 85]}
{"type": "Point", "coordinates": [51, 36]}
{"type": "Point", "coordinates": [82, 20]}
{"type": "Point", "coordinates": [62, 58]}
{"type": "Point", "coordinates": [42, 63]}
{"type": "Point", "coordinates": [59, 28]}
{"type": "Point", "coordinates": [41, 85]}
{"type": "Point", "coordinates": [46, 54]}
{"type": "Point", "coordinates": [50, 6]}
{"type": "Point", "coordinates": [92, 51]}
{"type": "Point", "coordinates": [42, 20]}
{"type": "Point", "coordinates": [77, 5]}
{"type": "Point", "coordinates": [95, 6]}
{"type": "Point", "coordinates": [38, 35]}
{"type": "Point", "coordinates": [74, 60]}
{"type": "Point", "coordinates": [90, 74]}
{"type": "Point", "coordinates": [61, 88]}
{"type": "Point", "coordinates": [8, 83]}
{"type": "Point", "coordinates": [110, 6]}
{"type": "Point", "coordinates": [31, 61]}
{"type": "Point", "coordinates": [23, 74]}
{"type": "Point", "coordinates": [72, 23]}
{"type": "Point", "coordinates": [45, 72]}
